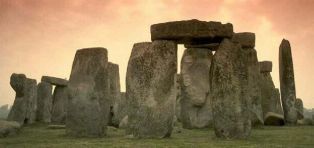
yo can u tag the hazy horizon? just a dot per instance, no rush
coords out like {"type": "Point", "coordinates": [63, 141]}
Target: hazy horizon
{"type": "Point", "coordinates": [41, 37]}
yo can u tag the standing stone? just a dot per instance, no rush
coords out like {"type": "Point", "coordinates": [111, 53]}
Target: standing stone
{"type": "Point", "coordinates": [287, 84]}
{"type": "Point", "coordinates": [299, 107]}
{"type": "Point", "coordinates": [89, 104]}
{"type": "Point", "coordinates": [270, 95]}
{"type": "Point", "coordinates": [249, 59]}
{"type": "Point", "coordinates": [229, 94]}
{"type": "Point", "coordinates": [44, 102]}
{"type": "Point", "coordinates": [24, 107]}
{"type": "Point", "coordinates": [178, 99]}
{"type": "Point", "coordinates": [120, 109]}
{"type": "Point", "coordinates": [150, 89]}
{"type": "Point", "coordinates": [195, 103]}
{"type": "Point", "coordinates": [59, 107]}
{"type": "Point", "coordinates": [114, 86]}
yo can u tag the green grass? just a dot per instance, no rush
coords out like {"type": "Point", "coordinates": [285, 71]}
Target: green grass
{"type": "Point", "coordinates": [282, 137]}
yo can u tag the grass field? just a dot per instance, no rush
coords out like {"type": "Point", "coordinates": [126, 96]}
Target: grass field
{"type": "Point", "coordinates": [282, 137]}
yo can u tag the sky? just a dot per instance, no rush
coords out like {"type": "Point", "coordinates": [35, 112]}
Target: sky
{"type": "Point", "coordinates": [40, 37]}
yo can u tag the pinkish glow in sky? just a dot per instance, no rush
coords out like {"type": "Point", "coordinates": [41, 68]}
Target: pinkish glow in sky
{"type": "Point", "coordinates": [40, 37]}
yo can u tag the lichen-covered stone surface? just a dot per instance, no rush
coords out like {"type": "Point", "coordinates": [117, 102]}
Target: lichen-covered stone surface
{"type": "Point", "coordinates": [24, 107]}
{"type": "Point", "coordinates": [229, 94]}
{"type": "Point", "coordinates": [191, 31]}
{"type": "Point", "coordinates": [115, 96]}
{"type": "Point", "coordinates": [195, 101]}
{"type": "Point", "coordinates": [89, 103]}
{"type": "Point", "coordinates": [59, 106]}
{"type": "Point", "coordinates": [287, 83]}
{"type": "Point", "coordinates": [44, 104]}
{"type": "Point", "coordinates": [150, 89]}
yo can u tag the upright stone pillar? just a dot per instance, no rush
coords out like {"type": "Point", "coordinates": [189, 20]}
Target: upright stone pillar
{"type": "Point", "coordinates": [24, 107]}
{"type": "Point", "coordinates": [195, 101]}
{"type": "Point", "coordinates": [44, 104]}
{"type": "Point", "coordinates": [59, 108]}
{"type": "Point", "coordinates": [115, 93]}
{"type": "Point", "coordinates": [287, 84]}
{"type": "Point", "coordinates": [89, 104]}
{"type": "Point", "coordinates": [272, 110]}
{"type": "Point", "coordinates": [150, 89]}
{"type": "Point", "coordinates": [247, 42]}
{"type": "Point", "coordinates": [299, 107]}
{"type": "Point", "coordinates": [229, 94]}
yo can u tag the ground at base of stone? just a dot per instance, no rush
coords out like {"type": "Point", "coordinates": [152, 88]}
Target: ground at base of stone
{"type": "Point", "coordinates": [269, 136]}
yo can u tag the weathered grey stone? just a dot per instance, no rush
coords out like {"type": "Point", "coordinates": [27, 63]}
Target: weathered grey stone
{"type": "Point", "coordinates": [191, 31]}
{"type": "Point", "coordinates": [59, 105]}
{"type": "Point", "coordinates": [299, 107]}
{"type": "Point", "coordinates": [210, 46]}
{"type": "Point", "coordinates": [272, 118]}
{"type": "Point", "coordinates": [178, 100]}
{"type": "Point", "coordinates": [305, 121]}
{"type": "Point", "coordinates": [89, 103]}
{"type": "Point", "coordinates": [54, 81]}
{"type": "Point", "coordinates": [124, 122]}
{"type": "Point", "coordinates": [150, 89]}
{"type": "Point", "coordinates": [270, 95]}
{"type": "Point", "coordinates": [251, 75]}
{"type": "Point", "coordinates": [195, 103]}
{"type": "Point", "coordinates": [24, 107]}
{"type": "Point", "coordinates": [265, 66]}
{"type": "Point", "coordinates": [120, 109]}
{"type": "Point", "coordinates": [44, 103]}
{"type": "Point", "coordinates": [246, 39]}
{"type": "Point", "coordinates": [9, 128]}
{"type": "Point", "coordinates": [287, 84]}
{"type": "Point", "coordinates": [115, 94]}
{"type": "Point", "coordinates": [229, 94]}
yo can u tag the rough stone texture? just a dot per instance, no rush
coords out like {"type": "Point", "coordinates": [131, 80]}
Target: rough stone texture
{"type": "Point", "coordinates": [59, 105]}
{"type": "Point", "coordinates": [229, 95]}
{"type": "Point", "coordinates": [24, 107]}
{"type": "Point", "coordinates": [9, 128]}
{"type": "Point", "coordinates": [251, 75]}
{"type": "Point", "coordinates": [270, 95]}
{"type": "Point", "coordinates": [265, 66]}
{"type": "Point", "coordinates": [120, 109]}
{"type": "Point", "coordinates": [272, 118]}
{"type": "Point", "coordinates": [299, 107]}
{"type": "Point", "coordinates": [191, 31]}
{"type": "Point", "coordinates": [195, 103]}
{"type": "Point", "coordinates": [54, 81]}
{"type": "Point", "coordinates": [178, 100]}
{"type": "Point", "coordinates": [124, 122]}
{"type": "Point", "coordinates": [287, 84]}
{"type": "Point", "coordinates": [89, 103]}
{"type": "Point", "coordinates": [210, 46]}
{"type": "Point", "coordinates": [246, 39]}
{"type": "Point", "coordinates": [150, 89]}
{"type": "Point", "coordinates": [115, 94]}
{"type": "Point", "coordinates": [44, 103]}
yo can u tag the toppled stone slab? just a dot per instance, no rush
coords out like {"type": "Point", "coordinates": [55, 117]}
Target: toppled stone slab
{"type": "Point", "coordinates": [299, 107]}
{"type": "Point", "coordinates": [305, 121]}
{"type": "Point", "coordinates": [191, 31]}
{"type": "Point", "coordinates": [229, 97]}
{"type": "Point", "coordinates": [150, 89]}
{"type": "Point", "coordinates": [272, 118]}
{"type": "Point", "coordinates": [54, 81]}
{"type": "Point", "coordinates": [265, 66]}
{"type": "Point", "coordinates": [195, 103]}
{"type": "Point", "coordinates": [59, 106]}
{"type": "Point", "coordinates": [89, 104]}
{"type": "Point", "coordinates": [211, 46]}
{"type": "Point", "coordinates": [55, 126]}
{"type": "Point", "coordinates": [44, 104]}
{"type": "Point", "coordinates": [246, 39]}
{"type": "Point", "coordinates": [287, 82]}
{"type": "Point", "coordinates": [24, 107]}
{"type": "Point", "coordinates": [9, 128]}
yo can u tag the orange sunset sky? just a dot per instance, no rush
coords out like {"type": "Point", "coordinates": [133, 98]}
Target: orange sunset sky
{"type": "Point", "coordinates": [40, 37]}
